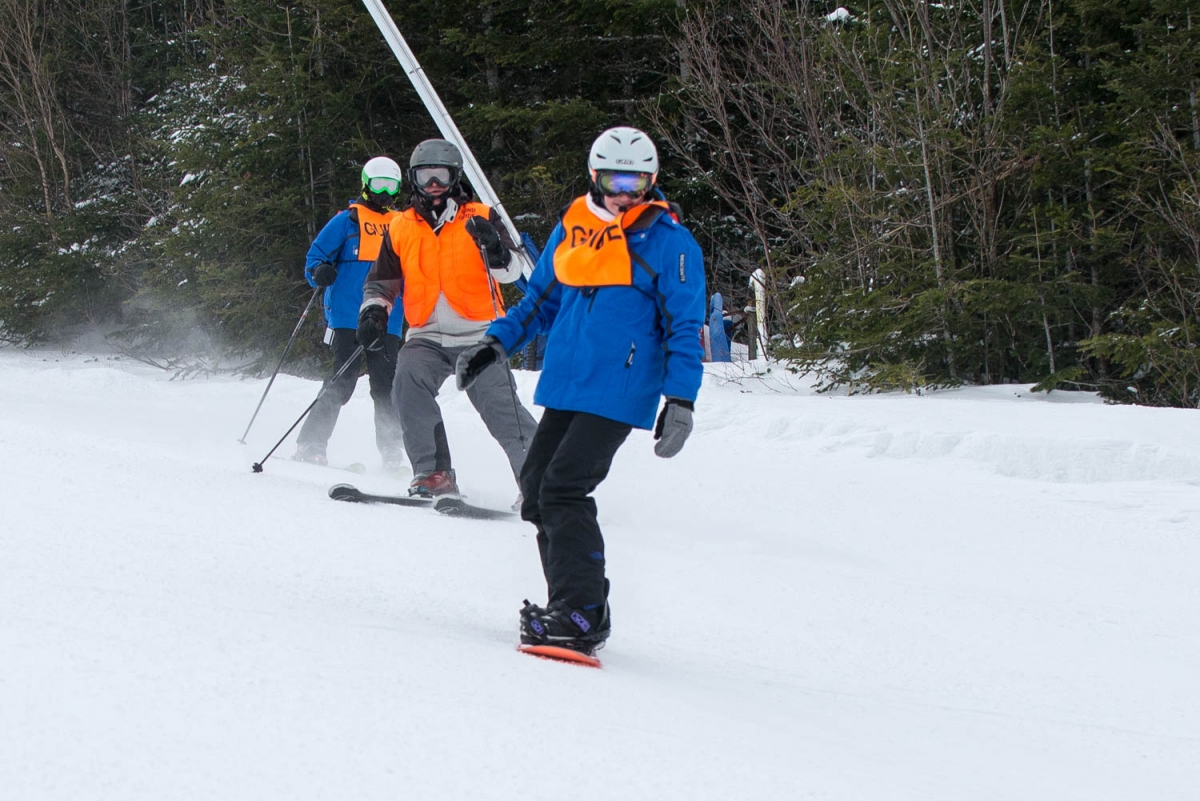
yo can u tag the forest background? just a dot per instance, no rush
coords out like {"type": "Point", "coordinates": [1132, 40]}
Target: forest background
{"type": "Point", "coordinates": [938, 193]}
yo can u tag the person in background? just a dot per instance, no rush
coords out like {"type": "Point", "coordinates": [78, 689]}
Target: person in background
{"type": "Point", "coordinates": [620, 291]}
{"type": "Point", "coordinates": [338, 260]}
{"type": "Point", "coordinates": [444, 258]}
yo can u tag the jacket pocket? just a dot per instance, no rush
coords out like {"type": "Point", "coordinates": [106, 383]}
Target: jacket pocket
{"type": "Point", "coordinates": [629, 371]}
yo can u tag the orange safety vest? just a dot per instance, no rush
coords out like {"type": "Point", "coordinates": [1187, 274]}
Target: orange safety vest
{"type": "Point", "coordinates": [446, 263]}
{"type": "Point", "coordinates": [371, 227]}
{"type": "Point", "coordinates": [594, 252]}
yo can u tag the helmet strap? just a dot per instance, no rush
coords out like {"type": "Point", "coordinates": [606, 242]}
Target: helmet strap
{"type": "Point", "coordinates": [376, 201]}
{"type": "Point", "coordinates": [597, 195]}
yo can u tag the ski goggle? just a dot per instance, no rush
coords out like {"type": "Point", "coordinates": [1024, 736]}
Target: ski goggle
{"type": "Point", "coordinates": [384, 184]}
{"type": "Point", "coordinates": [424, 176]}
{"type": "Point", "coordinates": [623, 183]}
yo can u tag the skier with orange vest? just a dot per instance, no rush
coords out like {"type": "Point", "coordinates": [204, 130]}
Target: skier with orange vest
{"type": "Point", "coordinates": [443, 259]}
{"type": "Point", "coordinates": [338, 260]}
{"type": "Point", "coordinates": [620, 292]}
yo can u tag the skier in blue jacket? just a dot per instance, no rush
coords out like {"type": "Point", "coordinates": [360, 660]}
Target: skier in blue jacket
{"type": "Point", "coordinates": [339, 259]}
{"type": "Point", "coordinates": [620, 292]}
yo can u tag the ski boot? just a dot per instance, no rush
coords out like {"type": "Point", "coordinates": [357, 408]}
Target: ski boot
{"type": "Point", "coordinates": [558, 624]}
{"type": "Point", "coordinates": [310, 454]}
{"type": "Point", "coordinates": [433, 484]}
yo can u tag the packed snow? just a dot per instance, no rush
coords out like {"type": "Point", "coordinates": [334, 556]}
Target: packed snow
{"type": "Point", "coordinates": [975, 594]}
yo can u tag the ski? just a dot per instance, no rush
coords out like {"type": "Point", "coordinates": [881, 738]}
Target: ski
{"type": "Point", "coordinates": [358, 468]}
{"type": "Point", "coordinates": [449, 505]}
{"type": "Point", "coordinates": [352, 494]}
{"type": "Point", "coordinates": [557, 653]}
{"type": "Point", "coordinates": [455, 506]}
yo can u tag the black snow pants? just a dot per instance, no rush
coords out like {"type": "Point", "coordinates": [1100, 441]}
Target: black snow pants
{"type": "Point", "coordinates": [381, 366]}
{"type": "Point", "coordinates": [569, 456]}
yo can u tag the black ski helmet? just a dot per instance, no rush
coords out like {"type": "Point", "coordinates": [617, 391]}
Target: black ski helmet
{"type": "Point", "coordinates": [435, 153]}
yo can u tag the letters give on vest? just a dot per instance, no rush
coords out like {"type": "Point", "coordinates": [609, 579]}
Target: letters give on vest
{"type": "Point", "coordinates": [594, 252]}
{"type": "Point", "coordinates": [371, 227]}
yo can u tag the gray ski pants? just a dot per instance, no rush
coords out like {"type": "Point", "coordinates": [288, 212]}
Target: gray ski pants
{"type": "Point", "coordinates": [421, 368]}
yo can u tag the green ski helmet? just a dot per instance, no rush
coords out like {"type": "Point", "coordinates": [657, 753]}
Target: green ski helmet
{"type": "Point", "coordinates": [381, 178]}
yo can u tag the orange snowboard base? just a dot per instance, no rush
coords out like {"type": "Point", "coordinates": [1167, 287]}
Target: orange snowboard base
{"type": "Point", "coordinates": [560, 654]}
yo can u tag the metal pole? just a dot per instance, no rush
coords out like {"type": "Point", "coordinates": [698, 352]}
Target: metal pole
{"type": "Point", "coordinates": [441, 117]}
{"type": "Point", "coordinates": [292, 339]}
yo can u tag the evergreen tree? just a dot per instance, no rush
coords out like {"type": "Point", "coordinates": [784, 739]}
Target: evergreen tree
{"type": "Point", "coordinates": [1149, 71]}
{"type": "Point", "coordinates": [939, 193]}
{"type": "Point", "coordinates": [71, 197]}
{"type": "Point", "coordinates": [968, 193]}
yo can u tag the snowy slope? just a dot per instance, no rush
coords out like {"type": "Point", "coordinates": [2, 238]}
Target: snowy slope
{"type": "Point", "coordinates": [977, 594]}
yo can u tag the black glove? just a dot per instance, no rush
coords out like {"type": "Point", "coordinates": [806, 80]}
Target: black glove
{"type": "Point", "coordinates": [673, 426]}
{"type": "Point", "coordinates": [324, 274]}
{"type": "Point", "coordinates": [372, 325]}
{"type": "Point", "coordinates": [488, 239]}
{"type": "Point", "coordinates": [477, 358]}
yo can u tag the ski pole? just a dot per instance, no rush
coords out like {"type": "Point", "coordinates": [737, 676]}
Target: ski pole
{"type": "Point", "coordinates": [257, 467]}
{"type": "Point", "coordinates": [288, 347]}
{"type": "Point", "coordinates": [512, 382]}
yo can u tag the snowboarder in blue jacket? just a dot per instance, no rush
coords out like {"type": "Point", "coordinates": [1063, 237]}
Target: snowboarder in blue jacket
{"type": "Point", "coordinates": [338, 260]}
{"type": "Point", "coordinates": [619, 290]}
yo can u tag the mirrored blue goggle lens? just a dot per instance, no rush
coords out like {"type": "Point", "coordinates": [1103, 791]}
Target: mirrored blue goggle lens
{"type": "Point", "coordinates": [424, 176]}
{"type": "Point", "coordinates": [384, 184]}
{"type": "Point", "coordinates": [616, 183]}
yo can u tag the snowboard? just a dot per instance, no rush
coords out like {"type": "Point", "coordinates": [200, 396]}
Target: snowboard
{"type": "Point", "coordinates": [557, 654]}
{"type": "Point", "coordinates": [352, 494]}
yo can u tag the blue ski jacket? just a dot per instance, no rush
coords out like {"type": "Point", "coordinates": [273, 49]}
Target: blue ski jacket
{"type": "Point", "coordinates": [338, 244]}
{"type": "Point", "coordinates": [614, 350]}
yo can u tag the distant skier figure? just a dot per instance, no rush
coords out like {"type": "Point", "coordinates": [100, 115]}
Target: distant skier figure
{"type": "Point", "coordinates": [339, 259]}
{"type": "Point", "coordinates": [620, 291]}
{"type": "Point", "coordinates": [446, 256]}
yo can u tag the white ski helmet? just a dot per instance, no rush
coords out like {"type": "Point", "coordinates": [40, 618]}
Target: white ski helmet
{"type": "Point", "coordinates": [381, 175]}
{"type": "Point", "coordinates": [624, 149]}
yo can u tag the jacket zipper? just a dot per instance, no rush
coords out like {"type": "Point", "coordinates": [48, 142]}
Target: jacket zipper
{"type": "Point", "coordinates": [632, 350]}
